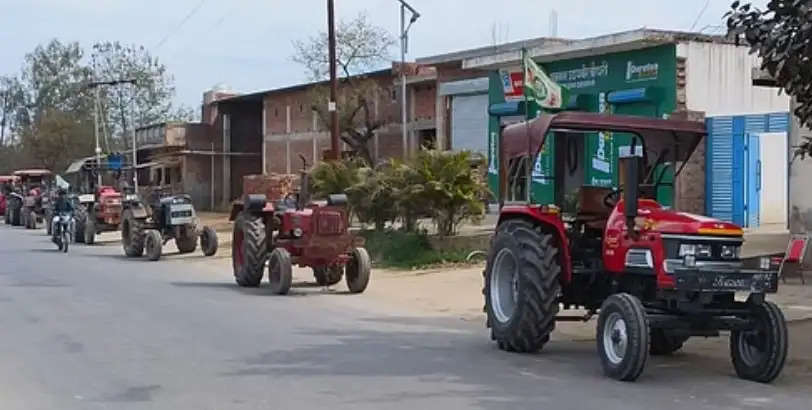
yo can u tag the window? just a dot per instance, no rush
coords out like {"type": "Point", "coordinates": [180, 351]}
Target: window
{"type": "Point", "coordinates": [394, 94]}
{"type": "Point", "coordinates": [168, 177]}
{"type": "Point", "coordinates": [301, 108]}
{"type": "Point", "coordinates": [276, 112]}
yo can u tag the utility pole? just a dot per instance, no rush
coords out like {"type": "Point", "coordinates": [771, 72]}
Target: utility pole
{"type": "Point", "coordinates": [95, 85]}
{"type": "Point", "coordinates": [404, 46]}
{"type": "Point", "coordinates": [331, 106]}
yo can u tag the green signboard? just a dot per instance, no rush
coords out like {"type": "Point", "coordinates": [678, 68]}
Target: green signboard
{"type": "Point", "coordinates": [640, 82]}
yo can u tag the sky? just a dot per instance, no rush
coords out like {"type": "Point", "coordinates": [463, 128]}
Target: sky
{"type": "Point", "coordinates": [246, 44]}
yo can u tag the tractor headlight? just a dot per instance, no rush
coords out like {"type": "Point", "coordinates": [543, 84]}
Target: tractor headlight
{"type": "Point", "coordinates": [688, 253]}
{"type": "Point", "coordinates": [764, 263]}
{"type": "Point", "coordinates": [297, 232]}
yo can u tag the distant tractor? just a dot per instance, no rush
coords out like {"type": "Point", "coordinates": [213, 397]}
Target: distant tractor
{"type": "Point", "coordinates": [100, 206]}
{"type": "Point", "coordinates": [654, 276]}
{"type": "Point", "coordinates": [6, 188]}
{"type": "Point", "coordinates": [148, 225]}
{"type": "Point", "coordinates": [35, 184]}
{"type": "Point", "coordinates": [290, 230]}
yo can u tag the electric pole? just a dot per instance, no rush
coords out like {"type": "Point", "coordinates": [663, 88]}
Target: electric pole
{"type": "Point", "coordinates": [95, 85]}
{"type": "Point", "coordinates": [404, 47]}
{"type": "Point", "coordinates": [332, 106]}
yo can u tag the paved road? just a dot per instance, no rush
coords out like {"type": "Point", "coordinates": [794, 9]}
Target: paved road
{"type": "Point", "coordinates": [92, 330]}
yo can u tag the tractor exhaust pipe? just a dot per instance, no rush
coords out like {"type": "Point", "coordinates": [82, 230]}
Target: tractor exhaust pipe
{"type": "Point", "coordinates": [631, 190]}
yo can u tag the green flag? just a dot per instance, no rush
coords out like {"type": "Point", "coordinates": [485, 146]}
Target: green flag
{"type": "Point", "coordinates": [541, 88]}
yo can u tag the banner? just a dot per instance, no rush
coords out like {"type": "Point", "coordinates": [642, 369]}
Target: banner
{"type": "Point", "coordinates": [539, 87]}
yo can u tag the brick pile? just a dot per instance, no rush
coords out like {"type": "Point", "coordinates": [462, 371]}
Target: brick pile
{"type": "Point", "coordinates": [273, 186]}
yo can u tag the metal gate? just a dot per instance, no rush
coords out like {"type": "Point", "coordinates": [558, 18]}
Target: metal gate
{"type": "Point", "coordinates": [469, 123]}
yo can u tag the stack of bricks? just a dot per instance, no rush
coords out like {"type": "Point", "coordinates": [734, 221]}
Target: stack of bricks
{"type": "Point", "coordinates": [273, 186]}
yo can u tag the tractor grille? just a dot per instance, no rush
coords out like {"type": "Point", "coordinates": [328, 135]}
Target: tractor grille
{"type": "Point", "coordinates": [713, 248]}
{"type": "Point", "coordinates": [330, 223]}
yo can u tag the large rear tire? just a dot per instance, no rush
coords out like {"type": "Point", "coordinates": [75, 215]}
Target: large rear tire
{"type": "Point", "coordinates": [623, 337]}
{"type": "Point", "coordinates": [249, 250]}
{"type": "Point", "coordinates": [280, 271]}
{"type": "Point", "coordinates": [89, 230]}
{"type": "Point", "coordinates": [80, 215]}
{"type": "Point", "coordinates": [132, 235]}
{"type": "Point", "coordinates": [358, 270]}
{"type": "Point", "coordinates": [521, 287]}
{"type": "Point", "coordinates": [187, 240]}
{"type": "Point", "coordinates": [759, 354]}
{"type": "Point", "coordinates": [153, 244]}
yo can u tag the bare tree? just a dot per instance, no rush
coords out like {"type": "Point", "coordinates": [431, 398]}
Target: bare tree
{"type": "Point", "coordinates": [360, 47]}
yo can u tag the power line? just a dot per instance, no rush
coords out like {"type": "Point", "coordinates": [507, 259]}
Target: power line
{"type": "Point", "coordinates": [699, 16]}
{"type": "Point", "coordinates": [191, 14]}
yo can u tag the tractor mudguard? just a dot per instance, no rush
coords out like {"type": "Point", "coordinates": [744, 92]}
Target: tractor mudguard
{"type": "Point", "coordinates": [550, 222]}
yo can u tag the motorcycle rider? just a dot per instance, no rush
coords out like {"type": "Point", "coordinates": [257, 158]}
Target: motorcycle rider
{"type": "Point", "coordinates": [61, 206]}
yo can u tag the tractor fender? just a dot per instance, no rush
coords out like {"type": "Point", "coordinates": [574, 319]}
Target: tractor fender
{"type": "Point", "coordinates": [253, 203]}
{"type": "Point", "coordinates": [550, 223]}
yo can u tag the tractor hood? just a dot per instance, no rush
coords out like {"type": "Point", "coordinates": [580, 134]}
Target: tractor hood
{"type": "Point", "coordinates": [674, 222]}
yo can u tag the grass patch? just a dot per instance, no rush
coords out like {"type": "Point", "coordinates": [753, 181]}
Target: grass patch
{"type": "Point", "coordinates": [404, 250]}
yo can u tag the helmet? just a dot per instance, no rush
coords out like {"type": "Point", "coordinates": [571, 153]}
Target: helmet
{"type": "Point", "coordinates": [61, 192]}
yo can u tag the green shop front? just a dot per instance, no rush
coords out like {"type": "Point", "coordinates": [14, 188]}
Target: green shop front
{"type": "Point", "coordinates": [641, 82]}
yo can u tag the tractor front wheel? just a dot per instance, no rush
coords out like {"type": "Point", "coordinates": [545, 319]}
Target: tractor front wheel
{"type": "Point", "coordinates": [328, 275]}
{"type": "Point", "coordinates": [522, 286]}
{"type": "Point", "coordinates": [280, 271]}
{"type": "Point", "coordinates": [759, 354]}
{"type": "Point", "coordinates": [153, 242]}
{"type": "Point", "coordinates": [132, 235]}
{"type": "Point", "coordinates": [248, 250]}
{"type": "Point", "coordinates": [623, 337]}
{"type": "Point", "coordinates": [358, 270]}
{"type": "Point", "coordinates": [208, 241]}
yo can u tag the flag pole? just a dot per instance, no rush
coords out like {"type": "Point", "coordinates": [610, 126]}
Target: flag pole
{"type": "Point", "coordinates": [530, 159]}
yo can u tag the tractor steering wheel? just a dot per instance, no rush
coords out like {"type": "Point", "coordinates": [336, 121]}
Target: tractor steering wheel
{"type": "Point", "coordinates": [611, 199]}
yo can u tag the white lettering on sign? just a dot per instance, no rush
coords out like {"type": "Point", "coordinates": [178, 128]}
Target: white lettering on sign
{"type": "Point", "coordinates": [583, 77]}
{"type": "Point", "coordinates": [492, 165]}
{"type": "Point", "coordinates": [642, 72]}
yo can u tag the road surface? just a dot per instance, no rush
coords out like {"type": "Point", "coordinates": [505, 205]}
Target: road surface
{"type": "Point", "coordinates": [93, 330]}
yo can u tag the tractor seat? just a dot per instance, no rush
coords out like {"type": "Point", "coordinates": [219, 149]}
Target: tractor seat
{"type": "Point", "coordinates": [592, 212]}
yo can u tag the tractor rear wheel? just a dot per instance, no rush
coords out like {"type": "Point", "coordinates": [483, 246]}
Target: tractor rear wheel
{"type": "Point", "coordinates": [522, 286]}
{"type": "Point", "coordinates": [208, 241]}
{"type": "Point", "coordinates": [186, 240]}
{"type": "Point", "coordinates": [249, 250]}
{"type": "Point", "coordinates": [623, 337]}
{"type": "Point", "coordinates": [80, 216]}
{"type": "Point", "coordinates": [759, 354]}
{"type": "Point", "coordinates": [280, 271]}
{"type": "Point", "coordinates": [665, 342]}
{"type": "Point", "coordinates": [89, 230]}
{"type": "Point", "coordinates": [358, 270]}
{"type": "Point", "coordinates": [153, 244]}
{"type": "Point", "coordinates": [132, 235]}
{"type": "Point", "coordinates": [16, 216]}
{"type": "Point", "coordinates": [328, 275]}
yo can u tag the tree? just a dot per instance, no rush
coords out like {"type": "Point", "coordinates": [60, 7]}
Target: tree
{"type": "Point", "coordinates": [126, 106]}
{"type": "Point", "coordinates": [781, 35]}
{"type": "Point", "coordinates": [57, 138]}
{"type": "Point", "coordinates": [360, 47]}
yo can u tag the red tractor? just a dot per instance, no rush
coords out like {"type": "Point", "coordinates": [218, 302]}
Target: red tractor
{"type": "Point", "coordinates": [100, 207]}
{"type": "Point", "coordinates": [35, 184]}
{"type": "Point", "coordinates": [292, 230]}
{"type": "Point", "coordinates": [654, 276]}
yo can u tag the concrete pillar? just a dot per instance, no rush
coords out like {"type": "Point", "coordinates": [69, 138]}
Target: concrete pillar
{"type": "Point", "coordinates": [439, 121]}
{"type": "Point", "coordinates": [226, 159]}
{"type": "Point", "coordinates": [264, 135]}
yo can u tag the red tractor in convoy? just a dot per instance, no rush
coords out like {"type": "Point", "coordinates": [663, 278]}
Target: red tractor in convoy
{"type": "Point", "coordinates": [655, 276]}
{"type": "Point", "coordinates": [290, 229]}
{"type": "Point", "coordinates": [100, 207]}
{"type": "Point", "coordinates": [35, 184]}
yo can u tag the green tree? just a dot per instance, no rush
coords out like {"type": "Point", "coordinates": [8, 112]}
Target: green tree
{"type": "Point", "coordinates": [781, 35]}
{"type": "Point", "coordinates": [56, 138]}
{"type": "Point", "coordinates": [147, 102]}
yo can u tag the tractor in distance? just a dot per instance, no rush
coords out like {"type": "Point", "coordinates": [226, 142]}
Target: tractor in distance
{"type": "Point", "coordinates": [286, 229]}
{"type": "Point", "coordinates": [146, 225]}
{"type": "Point", "coordinates": [654, 276]}
{"type": "Point", "coordinates": [7, 183]}
{"type": "Point", "coordinates": [35, 184]}
{"type": "Point", "coordinates": [100, 206]}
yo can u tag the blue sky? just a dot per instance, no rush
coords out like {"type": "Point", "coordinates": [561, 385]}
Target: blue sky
{"type": "Point", "coordinates": [246, 44]}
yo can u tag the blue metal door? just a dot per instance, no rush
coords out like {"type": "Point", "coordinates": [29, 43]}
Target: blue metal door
{"type": "Point", "coordinates": [720, 168]}
{"type": "Point", "coordinates": [753, 205]}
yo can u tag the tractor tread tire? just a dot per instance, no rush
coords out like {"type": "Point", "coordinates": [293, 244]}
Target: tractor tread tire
{"type": "Point", "coordinates": [358, 270]}
{"type": "Point", "coordinates": [80, 216]}
{"type": "Point", "coordinates": [280, 271]}
{"type": "Point", "coordinates": [153, 243]}
{"type": "Point", "coordinates": [777, 343]}
{"type": "Point", "coordinates": [208, 241]}
{"type": "Point", "coordinates": [89, 230]}
{"type": "Point", "coordinates": [132, 238]}
{"type": "Point", "coordinates": [254, 250]}
{"type": "Point", "coordinates": [187, 241]}
{"type": "Point", "coordinates": [665, 342]}
{"type": "Point", "coordinates": [633, 314]}
{"type": "Point", "coordinates": [533, 320]}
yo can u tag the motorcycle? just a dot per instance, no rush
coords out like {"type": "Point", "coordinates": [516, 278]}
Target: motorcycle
{"type": "Point", "coordinates": [63, 228]}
